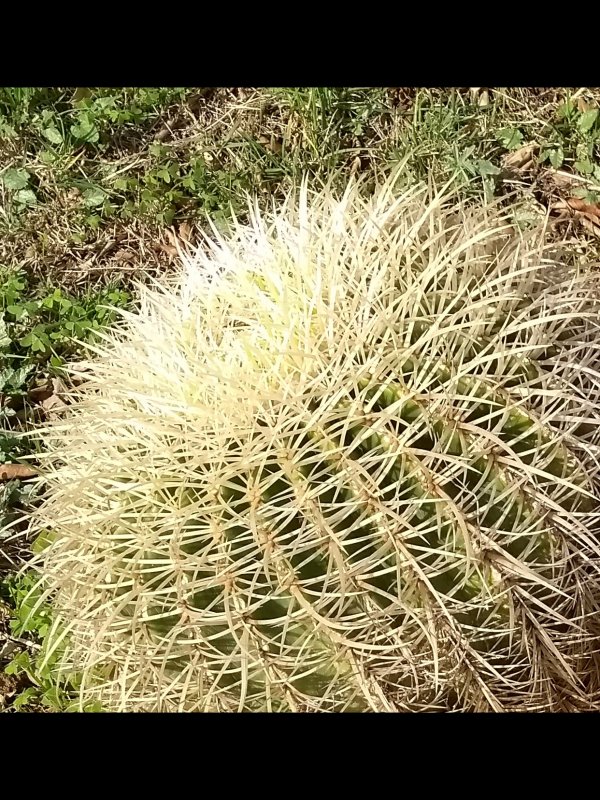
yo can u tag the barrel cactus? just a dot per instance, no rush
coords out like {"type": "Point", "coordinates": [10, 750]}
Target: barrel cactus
{"type": "Point", "coordinates": [345, 460]}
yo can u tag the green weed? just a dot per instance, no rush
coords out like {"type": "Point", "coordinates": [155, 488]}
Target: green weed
{"type": "Point", "coordinates": [31, 617]}
{"type": "Point", "coordinates": [40, 324]}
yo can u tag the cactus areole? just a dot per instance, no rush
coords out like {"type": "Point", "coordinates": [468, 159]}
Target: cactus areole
{"type": "Point", "coordinates": [346, 461]}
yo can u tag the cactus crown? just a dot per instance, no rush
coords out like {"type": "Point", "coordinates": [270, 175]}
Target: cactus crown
{"type": "Point", "coordinates": [349, 461]}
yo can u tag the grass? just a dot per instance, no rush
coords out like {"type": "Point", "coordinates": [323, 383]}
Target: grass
{"type": "Point", "coordinates": [39, 326]}
{"type": "Point", "coordinates": [95, 183]}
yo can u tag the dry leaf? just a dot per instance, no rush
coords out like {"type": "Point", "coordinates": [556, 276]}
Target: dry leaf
{"type": "Point", "coordinates": [168, 249]}
{"type": "Point", "coordinates": [53, 403]}
{"type": "Point", "coordinates": [591, 226]}
{"type": "Point", "coordinates": [480, 96]}
{"type": "Point", "coordinates": [177, 241]}
{"type": "Point", "coordinates": [582, 105]}
{"type": "Point", "coordinates": [522, 158]}
{"type": "Point", "coordinates": [562, 180]}
{"type": "Point", "coordinates": [589, 209]}
{"type": "Point", "coordinates": [271, 142]}
{"type": "Point", "coordinates": [124, 255]}
{"type": "Point", "coordinates": [171, 236]}
{"type": "Point", "coordinates": [53, 400]}
{"type": "Point", "coordinates": [356, 165]}
{"type": "Point", "coordinates": [41, 393]}
{"type": "Point", "coordinates": [588, 214]}
{"type": "Point", "coordinates": [185, 233]}
{"type": "Point", "coordinates": [9, 472]}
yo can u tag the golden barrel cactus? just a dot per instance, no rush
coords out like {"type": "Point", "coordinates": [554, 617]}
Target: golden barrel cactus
{"type": "Point", "coordinates": [346, 460]}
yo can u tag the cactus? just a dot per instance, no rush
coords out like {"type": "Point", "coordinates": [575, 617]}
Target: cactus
{"type": "Point", "coordinates": [346, 461]}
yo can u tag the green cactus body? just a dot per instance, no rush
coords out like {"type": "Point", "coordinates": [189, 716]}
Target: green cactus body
{"type": "Point", "coordinates": [357, 471]}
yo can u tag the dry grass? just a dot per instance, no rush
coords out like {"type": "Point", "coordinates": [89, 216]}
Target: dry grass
{"type": "Point", "coordinates": [251, 140]}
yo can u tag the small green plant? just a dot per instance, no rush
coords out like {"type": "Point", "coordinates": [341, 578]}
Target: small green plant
{"type": "Point", "coordinates": [510, 138]}
{"type": "Point", "coordinates": [331, 122]}
{"type": "Point", "coordinates": [75, 117]}
{"type": "Point", "coordinates": [453, 140]}
{"type": "Point", "coordinates": [47, 324]}
{"type": "Point", "coordinates": [17, 181]}
{"type": "Point", "coordinates": [573, 137]}
{"type": "Point", "coordinates": [39, 327]}
{"type": "Point", "coordinates": [76, 141]}
{"type": "Point", "coordinates": [31, 618]}
{"type": "Point", "coordinates": [15, 495]}
{"type": "Point", "coordinates": [171, 187]}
